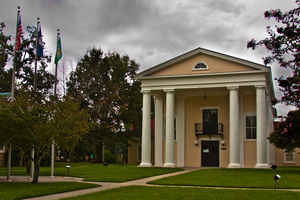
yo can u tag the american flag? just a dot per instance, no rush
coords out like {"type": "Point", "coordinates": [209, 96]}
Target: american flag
{"type": "Point", "coordinates": [19, 30]}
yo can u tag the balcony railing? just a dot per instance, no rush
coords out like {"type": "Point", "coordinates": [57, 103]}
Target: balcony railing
{"type": "Point", "coordinates": [208, 129]}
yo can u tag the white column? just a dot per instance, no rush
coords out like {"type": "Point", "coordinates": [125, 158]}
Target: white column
{"type": "Point", "coordinates": [242, 130]}
{"type": "Point", "coordinates": [158, 162]}
{"type": "Point", "coordinates": [269, 130]}
{"type": "Point", "coordinates": [180, 131]}
{"type": "Point", "coordinates": [146, 130]}
{"type": "Point", "coordinates": [261, 139]}
{"type": "Point", "coordinates": [234, 134]}
{"type": "Point", "coordinates": [169, 158]}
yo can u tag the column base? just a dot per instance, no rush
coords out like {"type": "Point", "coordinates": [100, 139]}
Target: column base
{"type": "Point", "coordinates": [171, 165]}
{"type": "Point", "coordinates": [144, 164]}
{"type": "Point", "coordinates": [158, 165]}
{"type": "Point", "coordinates": [234, 165]}
{"type": "Point", "coordinates": [262, 165]}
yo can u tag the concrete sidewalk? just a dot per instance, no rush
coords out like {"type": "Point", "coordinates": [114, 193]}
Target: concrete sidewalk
{"type": "Point", "coordinates": [41, 179]}
{"type": "Point", "coordinates": [104, 185]}
{"type": "Point", "coordinates": [108, 185]}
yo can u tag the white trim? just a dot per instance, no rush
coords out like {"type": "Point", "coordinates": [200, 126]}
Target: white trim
{"type": "Point", "coordinates": [195, 82]}
{"type": "Point", "coordinates": [291, 161]}
{"type": "Point", "coordinates": [210, 107]}
{"type": "Point", "coordinates": [248, 114]}
{"type": "Point", "coordinates": [200, 75]}
{"type": "Point", "coordinates": [200, 69]}
{"type": "Point", "coordinates": [199, 51]}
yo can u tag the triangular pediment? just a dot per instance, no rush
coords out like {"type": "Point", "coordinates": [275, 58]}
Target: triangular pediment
{"type": "Point", "coordinates": [215, 62]}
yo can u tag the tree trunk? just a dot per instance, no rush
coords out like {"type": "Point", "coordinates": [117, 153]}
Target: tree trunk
{"type": "Point", "coordinates": [21, 162]}
{"type": "Point", "coordinates": [36, 168]}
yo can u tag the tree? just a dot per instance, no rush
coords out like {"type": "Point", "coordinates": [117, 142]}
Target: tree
{"type": "Point", "coordinates": [6, 50]}
{"type": "Point", "coordinates": [33, 119]}
{"type": "Point", "coordinates": [287, 136]}
{"type": "Point", "coordinates": [283, 42]}
{"type": "Point", "coordinates": [24, 61]}
{"type": "Point", "coordinates": [106, 85]}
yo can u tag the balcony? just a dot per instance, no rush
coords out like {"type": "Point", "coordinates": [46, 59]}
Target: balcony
{"type": "Point", "coordinates": [209, 129]}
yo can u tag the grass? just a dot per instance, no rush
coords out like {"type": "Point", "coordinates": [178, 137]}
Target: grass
{"type": "Point", "coordinates": [176, 193]}
{"type": "Point", "coordinates": [98, 172]}
{"type": "Point", "coordinates": [12, 191]}
{"type": "Point", "coordinates": [252, 178]}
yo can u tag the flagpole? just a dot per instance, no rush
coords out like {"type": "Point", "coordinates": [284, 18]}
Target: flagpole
{"type": "Point", "coordinates": [12, 98]}
{"type": "Point", "coordinates": [55, 95]}
{"type": "Point", "coordinates": [35, 88]}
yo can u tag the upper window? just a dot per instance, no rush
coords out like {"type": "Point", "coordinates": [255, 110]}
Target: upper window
{"type": "Point", "coordinates": [200, 66]}
{"type": "Point", "coordinates": [250, 127]}
{"type": "Point", "coordinates": [210, 121]}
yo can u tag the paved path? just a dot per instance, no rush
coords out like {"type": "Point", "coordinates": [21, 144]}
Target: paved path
{"type": "Point", "coordinates": [108, 185]}
{"type": "Point", "coordinates": [104, 185]}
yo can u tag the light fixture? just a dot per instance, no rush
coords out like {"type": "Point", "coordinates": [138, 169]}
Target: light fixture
{"type": "Point", "coordinates": [196, 142]}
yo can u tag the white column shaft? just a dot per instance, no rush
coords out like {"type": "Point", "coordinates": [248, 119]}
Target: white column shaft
{"type": "Point", "coordinates": [169, 158]}
{"type": "Point", "coordinates": [158, 131]}
{"type": "Point", "coordinates": [261, 139]}
{"type": "Point", "coordinates": [234, 121]}
{"type": "Point", "coordinates": [180, 130]}
{"type": "Point", "coordinates": [146, 130]}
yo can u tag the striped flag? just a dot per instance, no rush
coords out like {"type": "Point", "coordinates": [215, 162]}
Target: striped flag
{"type": "Point", "coordinates": [40, 43]}
{"type": "Point", "coordinates": [58, 54]}
{"type": "Point", "coordinates": [19, 31]}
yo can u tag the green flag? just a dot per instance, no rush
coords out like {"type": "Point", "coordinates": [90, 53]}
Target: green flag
{"type": "Point", "coordinates": [58, 54]}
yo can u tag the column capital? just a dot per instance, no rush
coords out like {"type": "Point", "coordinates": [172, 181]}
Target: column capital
{"type": "Point", "coordinates": [232, 87]}
{"type": "Point", "coordinates": [169, 90]}
{"type": "Point", "coordinates": [146, 91]}
{"type": "Point", "coordinates": [260, 86]}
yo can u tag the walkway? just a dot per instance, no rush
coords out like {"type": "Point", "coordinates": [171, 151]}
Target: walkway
{"type": "Point", "coordinates": [109, 185]}
{"type": "Point", "coordinates": [104, 185]}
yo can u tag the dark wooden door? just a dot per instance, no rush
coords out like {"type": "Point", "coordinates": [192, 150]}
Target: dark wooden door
{"type": "Point", "coordinates": [210, 153]}
{"type": "Point", "coordinates": [210, 121]}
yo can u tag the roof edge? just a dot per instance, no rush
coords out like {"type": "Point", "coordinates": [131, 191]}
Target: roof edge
{"type": "Point", "coordinates": [196, 51]}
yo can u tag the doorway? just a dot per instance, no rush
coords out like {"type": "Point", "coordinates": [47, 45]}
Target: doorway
{"type": "Point", "coordinates": [210, 153]}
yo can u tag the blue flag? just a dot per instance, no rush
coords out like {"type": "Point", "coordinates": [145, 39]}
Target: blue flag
{"type": "Point", "coordinates": [40, 43]}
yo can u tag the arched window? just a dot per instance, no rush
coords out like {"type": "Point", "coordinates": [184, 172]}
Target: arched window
{"type": "Point", "coordinates": [200, 66]}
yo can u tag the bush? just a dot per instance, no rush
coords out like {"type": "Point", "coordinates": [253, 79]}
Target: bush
{"type": "Point", "coordinates": [109, 157]}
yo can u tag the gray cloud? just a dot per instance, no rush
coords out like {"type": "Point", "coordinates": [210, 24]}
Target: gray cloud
{"type": "Point", "coordinates": [148, 31]}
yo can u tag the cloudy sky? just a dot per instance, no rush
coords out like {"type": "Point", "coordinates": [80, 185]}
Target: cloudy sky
{"type": "Point", "coordinates": [148, 31]}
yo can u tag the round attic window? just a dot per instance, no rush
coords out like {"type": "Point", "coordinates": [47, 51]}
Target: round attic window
{"type": "Point", "coordinates": [200, 66]}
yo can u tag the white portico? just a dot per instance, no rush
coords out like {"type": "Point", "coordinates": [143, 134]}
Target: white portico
{"type": "Point", "coordinates": [210, 109]}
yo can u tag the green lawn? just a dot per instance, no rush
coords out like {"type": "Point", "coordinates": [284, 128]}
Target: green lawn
{"type": "Point", "coordinates": [254, 178]}
{"type": "Point", "coordinates": [98, 172]}
{"type": "Point", "coordinates": [176, 193]}
{"type": "Point", "coordinates": [12, 191]}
